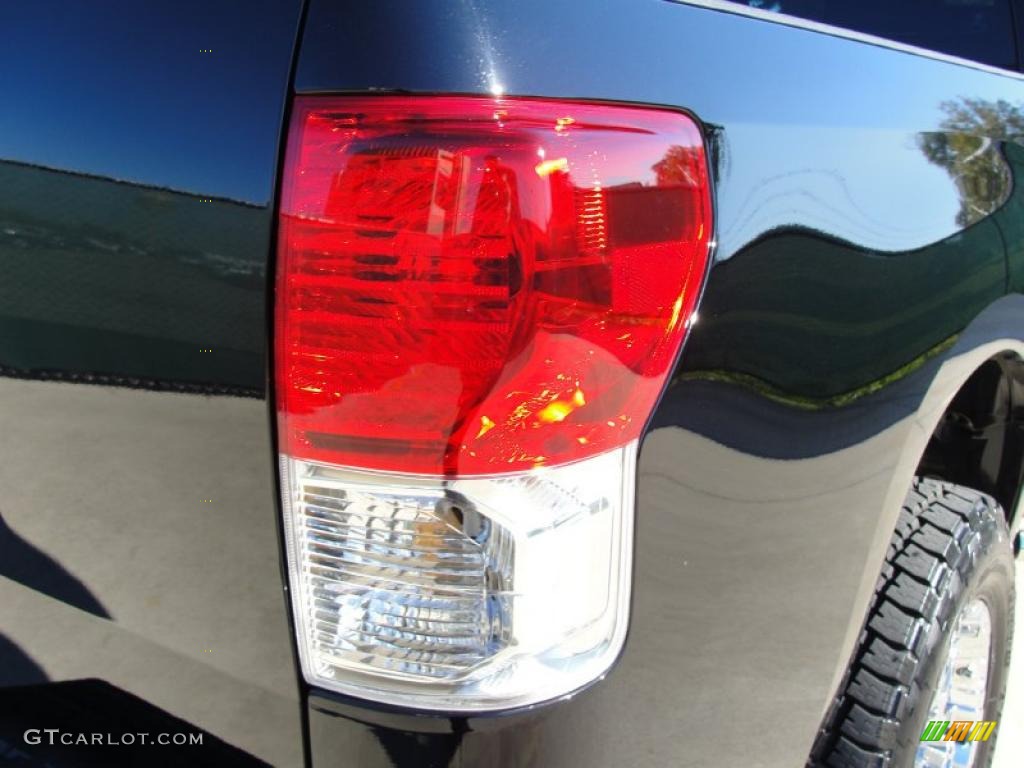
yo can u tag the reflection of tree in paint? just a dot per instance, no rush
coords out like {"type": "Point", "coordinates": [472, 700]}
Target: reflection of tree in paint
{"type": "Point", "coordinates": [968, 147]}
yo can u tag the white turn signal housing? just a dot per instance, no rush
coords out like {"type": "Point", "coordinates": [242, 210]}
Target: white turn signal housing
{"type": "Point", "coordinates": [464, 594]}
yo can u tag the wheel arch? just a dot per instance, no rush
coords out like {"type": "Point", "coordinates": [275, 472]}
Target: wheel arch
{"type": "Point", "coordinates": [963, 374]}
{"type": "Point", "coordinates": [973, 401]}
{"type": "Point", "coordinates": [978, 441]}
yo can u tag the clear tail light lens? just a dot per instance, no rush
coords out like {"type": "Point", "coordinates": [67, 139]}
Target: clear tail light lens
{"type": "Point", "coordinates": [478, 304]}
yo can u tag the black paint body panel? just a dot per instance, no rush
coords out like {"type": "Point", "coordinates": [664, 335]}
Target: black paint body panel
{"type": "Point", "coordinates": [869, 255]}
{"type": "Point", "coordinates": [138, 152]}
{"type": "Point", "coordinates": [140, 585]}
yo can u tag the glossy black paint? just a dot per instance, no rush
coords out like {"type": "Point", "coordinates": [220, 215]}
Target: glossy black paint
{"type": "Point", "coordinates": [869, 257]}
{"type": "Point", "coordinates": [140, 586]}
{"type": "Point", "coordinates": [138, 150]}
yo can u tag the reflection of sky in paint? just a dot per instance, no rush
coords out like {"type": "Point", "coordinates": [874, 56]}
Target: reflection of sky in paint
{"type": "Point", "coordinates": [871, 187]}
{"type": "Point", "coordinates": [121, 89]}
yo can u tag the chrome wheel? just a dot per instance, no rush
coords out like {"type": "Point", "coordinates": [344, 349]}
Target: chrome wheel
{"type": "Point", "coordinates": [963, 684]}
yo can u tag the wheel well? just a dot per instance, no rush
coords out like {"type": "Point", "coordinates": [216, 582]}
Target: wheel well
{"type": "Point", "coordinates": [979, 441]}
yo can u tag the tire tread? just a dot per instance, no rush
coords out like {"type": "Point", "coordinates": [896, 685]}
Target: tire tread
{"type": "Point", "coordinates": [932, 543]}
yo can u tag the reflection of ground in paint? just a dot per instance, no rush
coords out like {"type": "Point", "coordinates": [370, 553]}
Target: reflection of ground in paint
{"type": "Point", "coordinates": [144, 276]}
{"type": "Point", "coordinates": [1010, 731]}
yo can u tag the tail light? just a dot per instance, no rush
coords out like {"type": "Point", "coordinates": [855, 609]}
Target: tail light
{"type": "Point", "coordinates": [478, 304]}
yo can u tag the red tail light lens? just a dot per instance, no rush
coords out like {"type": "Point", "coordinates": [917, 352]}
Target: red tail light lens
{"type": "Point", "coordinates": [471, 285]}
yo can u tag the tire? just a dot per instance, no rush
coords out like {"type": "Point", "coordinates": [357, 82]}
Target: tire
{"type": "Point", "coordinates": [951, 546]}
